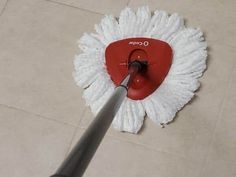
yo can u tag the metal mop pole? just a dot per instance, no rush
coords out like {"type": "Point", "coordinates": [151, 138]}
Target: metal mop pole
{"type": "Point", "coordinates": [78, 159]}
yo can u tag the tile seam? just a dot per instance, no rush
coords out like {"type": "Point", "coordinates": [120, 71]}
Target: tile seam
{"type": "Point", "coordinates": [37, 115]}
{"type": "Point", "coordinates": [71, 141]}
{"type": "Point", "coordinates": [75, 7]}
{"type": "Point", "coordinates": [142, 145]}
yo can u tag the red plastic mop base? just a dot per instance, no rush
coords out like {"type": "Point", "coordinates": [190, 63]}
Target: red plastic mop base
{"type": "Point", "coordinates": [156, 53]}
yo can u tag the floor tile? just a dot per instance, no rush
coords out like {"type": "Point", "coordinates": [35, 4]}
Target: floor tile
{"type": "Point", "coordinates": [116, 158]}
{"type": "Point", "coordinates": [222, 153]}
{"type": "Point", "coordinates": [37, 48]}
{"type": "Point", "coordinates": [102, 6]}
{"type": "Point", "coordinates": [30, 145]}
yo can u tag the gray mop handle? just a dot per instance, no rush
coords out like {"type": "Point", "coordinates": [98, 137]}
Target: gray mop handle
{"type": "Point", "coordinates": [78, 159]}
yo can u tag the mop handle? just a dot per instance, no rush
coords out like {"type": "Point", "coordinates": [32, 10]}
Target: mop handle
{"type": "Point", "coordinates": [78, 159]}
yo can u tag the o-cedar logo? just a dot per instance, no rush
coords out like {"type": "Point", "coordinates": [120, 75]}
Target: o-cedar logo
{"type": "Point", "coordinates": [144, 43]}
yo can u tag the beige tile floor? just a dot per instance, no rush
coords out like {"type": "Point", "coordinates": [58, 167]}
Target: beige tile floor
{"type": "Point", "coordinates": [42, 113]}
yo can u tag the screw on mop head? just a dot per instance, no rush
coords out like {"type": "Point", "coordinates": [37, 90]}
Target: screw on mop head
{"type": "Point", "coordinates": [175, 55]}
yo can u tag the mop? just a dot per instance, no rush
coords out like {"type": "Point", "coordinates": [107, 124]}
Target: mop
{"type": "Point", "coordinates": [140, 64]}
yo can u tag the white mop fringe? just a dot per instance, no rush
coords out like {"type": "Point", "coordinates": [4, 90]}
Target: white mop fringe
{"type": "Point", "coordinates": [189, 62]}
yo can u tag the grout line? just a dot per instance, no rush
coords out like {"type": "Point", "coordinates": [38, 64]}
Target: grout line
{"type": "Point", "coordinates": [37, 115]}
{"type": "Point", "coordinates": [4, 8]}
{"type": "Point", "coordinates": [220, 112]}
{"type": "Point", "coordinates": [76, 127]}
{"type": "Point", "coordinates": [71, 141]}
{"type": "Point", "coordinates": [148, 147]}
{"type": "Point", "coordinates": [142, 145]}
{"type": "Point", "coordinates": [75, 131]}
{"type": "Point", "coordinates": [82, 116]}
{"type": "Point", "coordinates": [75, 7]}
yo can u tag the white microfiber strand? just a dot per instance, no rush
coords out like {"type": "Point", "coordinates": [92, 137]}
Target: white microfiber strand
{"type": "Point", "coordinates": [189, 62]}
